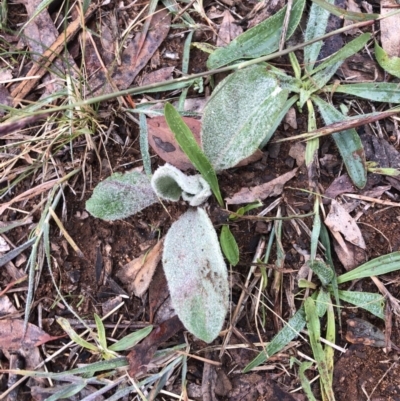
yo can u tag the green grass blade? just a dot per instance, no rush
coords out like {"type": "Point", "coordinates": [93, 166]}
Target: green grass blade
{"type": "Point", "coordinates": [348, 143]}
{"type": "Point", "coordinates": [389, 64]}
{"type": "Point", "coordinates": [314, 332]}
{"type": "Point", "coordinates": [305, 383]}
{"type": "Point", "coordinates": [324, 238]}
{"type": "Point", "coordinates": [330, 336]}
{"type": "Point", "coordinates": [64, 323]}
{"type": "Point", "coordinates": [258, 41]}
{"type": "Point", "coordinates": [186, 141]}
{"type": "Point", "coordinates": [101, 332]}
{"type": "Point", "coordinates": [341, 12]}
{"type": "Point", "coordinates": [229, 245]}
{"type": "Point", "coordinates": [381, 265]}
{"type": "Point", "coordinates": [346, 51]}
{"type": "Point", "coordinates": [283, 338]}
{"type": "Point", "coordinates": [278, 119]}
{"type": "Point", "coordinates": [88, 370]}
{"type": "Point", "coordinates": [312, 145]}
{"type": "Point", "coordinates": [373, 303]}
{"type": "Point", "coordinates": [144, 144]}
{"type": "Point", "coordinates": [316, 26]}
{"type": "Point", "coordinates": [131, 340]}
{"type": "Point", "coordinates": [315, 230]}
{"type": "Point", "coordinates": [68, 391]}
{"type": "Point", "coordinates": [375, 91]}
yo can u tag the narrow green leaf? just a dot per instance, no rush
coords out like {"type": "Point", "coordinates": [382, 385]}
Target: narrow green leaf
{"type": "Point", "coordinates": [88, 370]}
{"type": "Point", "coordinates": [144, 144]}
{"type": "Point", "coordinates": [341, 12]}
{"type": "Point", "coordinates": [131, 340]}
{"type": "Point", "coordinates": [67, 391]}
{"type": "Point", "coordinates": [260, 40]}
{"type": "Point", "coordinates": [373, 303]}
{"type": "Point", "coordinates": [229, 245]}
{"type": "Point", "coordinates": [346, 51]}
{"type": "Point", "coordinates": [196, 274]}
{"type": "Point", "coordinates": [375, 91]}
{"type": "Point", "coordinates": [348, 143]}
{"type": "Point", "coordinates": [330, 336]}
{"type": "Point", "coordinates": [316, 26]}
{"type": "Point", "coordinates": [186, 140]}
{"type": "Point", "coordinates": [120, 196]}
{"type": "Point", "coordinates": [375, 267]}
{"type": "Point", "coordinates": [389, 64]}
{"type": "Point", "coordinates": [321, 302]}
{"type": "Point", "coordinates": [278, 119]}
{"type": "Point", "coordinates": [315, 230]}
{"type": "Point", "coordinates": [283, 338]}
{"type": "Point", "coordinates": [101, 332]}
{"type": "Point", "coordinates": [314, 332]}
{"type": "Point", "coordinates": [305, 383]}
{"type": "Point", "coordinates": [312, 145]}
{"type": "Point", "coordinates": [241, 110]}
{"type": "Point", "coordinates": [64, 323]}
{"type": "Point", "coordinates": [324, 238]}
{"type": "Point", "coordinates": [295, 65]}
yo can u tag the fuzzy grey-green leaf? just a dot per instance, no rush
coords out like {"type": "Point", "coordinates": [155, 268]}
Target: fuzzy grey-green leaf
{"type": "Point", "coordinates": [239, 114]}
{"type": "Point", "coordinates": [260, 40]}
{"type": "Point", "coordinates": [169, 183]}
{"type": "Point", "coordinates": [120, 196]}
{"type": "Point", "coordinates": [196, 274]}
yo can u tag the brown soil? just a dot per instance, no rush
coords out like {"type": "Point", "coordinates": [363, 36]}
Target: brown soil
{"type": "Point", "coordinates": [360, 372]}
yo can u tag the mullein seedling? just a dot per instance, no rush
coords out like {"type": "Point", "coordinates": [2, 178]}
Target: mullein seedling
{"type": "Point", "coordinates": [192, 258]}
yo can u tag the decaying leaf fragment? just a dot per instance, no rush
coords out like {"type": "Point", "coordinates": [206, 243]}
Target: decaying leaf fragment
{"type": "Point", "coordinates": [263, 191]}
{"type": "Point", "coordinates": [340, 221]}
{"type": "Point", "coordinates": [137, 274]}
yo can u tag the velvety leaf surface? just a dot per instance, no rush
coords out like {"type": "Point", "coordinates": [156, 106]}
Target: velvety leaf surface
{"type": "Point", "coordinates": [120, 196]}
{"type": "Point", "coordinates": [240, 112]}
{"type": "Point", "coordinates": [196, 274]}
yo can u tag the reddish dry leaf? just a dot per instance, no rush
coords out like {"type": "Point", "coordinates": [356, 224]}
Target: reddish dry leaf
{"type": "Point", "coordinates": [141, 355]}
{"type": "Point", "coordinates": [132, 60]}
{"type": "Point", "coordinates": [138, 273]}
{"type": "Point", "coordinates": [339, 222]}
{"type": "Point", "coordinates": [228, 30]}
{"type": "Point", "coordinates": [350, 257]}
{"type": "Point", "coordinates": [12, 335]}
{"type": "Point", "coordinates": [340, 185]}
{"type": "Point", "coordinates": [390, 37]}
{"type": "Point", "coordinates": [163, 142]}
{"type": "Point", "coordinates": [271, 188]}
{"type": "Point", "coordinates": [162, 74]}
{"type": "Point", "coordinates": [159, 301]}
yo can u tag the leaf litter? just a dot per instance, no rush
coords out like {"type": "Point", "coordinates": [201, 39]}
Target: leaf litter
{"type": "Point", "coordinates": [135, 233]}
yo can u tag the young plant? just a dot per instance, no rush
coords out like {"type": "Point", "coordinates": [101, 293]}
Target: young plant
{"type": "Point", "coordinates": [232, 130]}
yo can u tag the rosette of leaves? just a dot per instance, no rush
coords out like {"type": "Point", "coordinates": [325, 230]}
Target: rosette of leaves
{"type": "Point", "coordinates": [243, 107]}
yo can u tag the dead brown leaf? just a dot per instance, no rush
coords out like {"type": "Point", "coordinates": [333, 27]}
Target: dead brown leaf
{"type": "Point", "coordinates": [353, 7]}
{"type": "Point", "coordinates": [12, 335]}
{"type": "Point", "coordinates": [162, 74]}
{"type": "Point", "coordinates": [263, 191]}
{"type": "Point", "coordinates": [339, 221]}
{"type": "Point", "coordinates": [390, 37]}
{"type": "Point", "coordinates": [163, 142]}
{"type": "Point", "coordinates": [350, 257]}
{"type": "Point", "coordinates": [228, 30]}
{"type": "Point", "coordinates": [140, 357]}
{"type": "Point", "coordinates": [133, 61]}
{"type": "Point", "coordinates": [138, 273]}
{"type": "Point", "coordinates": [360, 331]}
